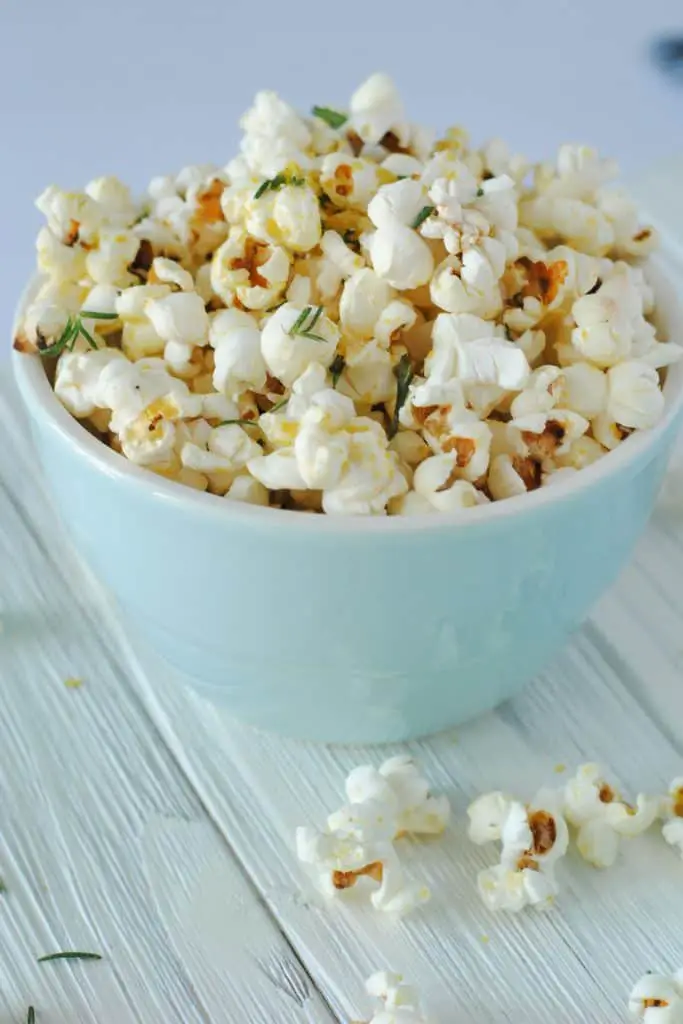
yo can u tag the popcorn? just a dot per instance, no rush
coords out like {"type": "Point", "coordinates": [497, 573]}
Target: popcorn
{"type": "Point", "coordinates": [165, 271]}
{"type": "Point", "coordinates": [467, 347]}
{"type": "Point", "coordinates": [594, 807]}
{"type": "Point", "coordinates": [293, 338]}
{"type": "Point", "coordinates": [275, 136]}
{"type": "Point", "coordinates": [658, 999]}
{"type": "Point", "coordinates": [110, 263]}
{"type": "Point", "coordinates": [77, 379]}
{"type": "Point", "coordinates": [179, 317]}
{"type": "Point", "coordinates": [296, 216]}
{"type": "Point", "coordinates": [475, 288]}
{"type": "Point", "coordinates": [350, 182]}
{"type": "Point", "coordinates": [512, 475]}
{"type": "Point", "coordinates": [398, 785]}
{"type": "Point", "coordinates": [340, 859]}
{"type": "Point", "coordinates": [220, 455]}
{"type": "Point", "coordinates": [400, 256]}
{"type": "Point", "coordinates": [532, 840]}
{"type": "Point", "coordinates": [245, 488]}
{"type": "Point", "coordinates": [363, 300]}
{"type": "Point", "coordinates": [634, 398]}
{"type": "Point", "coordinates": [399, 1003]}
{"type": "Point", "coordinates": [376, 109]}
{"type": "Point", "coordinates": [239, 364]}
{"type": "Point", "coordinates": [71, 216]}
{"type": "Point", "coordinates": [254, 273]}
{"type": "Point", "coordinates": [116, 206]}
{"type": "Point", "coordinates": [436, 480]}
{"type": "Point", "coordinates": [406, 326]}
{"type": "Point", "coordinates": [672, 812]}
{"type": "Point", "coordinates": [358, 842]}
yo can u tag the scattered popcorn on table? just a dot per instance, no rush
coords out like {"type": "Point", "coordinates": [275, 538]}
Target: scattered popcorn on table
{"type": "Point", "coordinates": [533, 838]}
{"type": "Point", "coordinates": [658, 999]}
{"type": "Point", "coordinates": [358, 842]}
{"type": "Point", "coordinates": [475, 327]}
{"type": "Point", "coordinates": [672, 812]}
{"type": "Point", "coordinates": [595, 808]}
{"type": "Point", "coordinates": [398, 1003]}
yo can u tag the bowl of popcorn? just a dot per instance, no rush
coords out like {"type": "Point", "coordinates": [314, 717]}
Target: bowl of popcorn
{"type": "Point", "coordinates": [358, 427]}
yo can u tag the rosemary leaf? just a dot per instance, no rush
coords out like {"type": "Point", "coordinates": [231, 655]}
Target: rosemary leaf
{"type": "Point", "coordinates": [87, 335]}
{"type": "Point", "coordinates": [337, 368]}
{"type": "Point", "coordinates": [273, 184]}
{"type": "Point", "coordinates": [263, 187]}
{"type": "Point", "coordinates": [425, 212]}
{"type": "Point", "coordinates": [331, 117]}
{"type": "Point", "coordinates": [239, 422]}
{"type": "Point", "coordinates": [305, 322]}
{"type": "Point", "coordinates": [316, 317]}
{"type": "Point", "coordinates": [31, 1018]}
{"type": "Point", "coordinates": [69, 955]}
{"type": "Point", "coordinates": [300, 321]}
{"type": "Point", "coordinates": [90, 314]}
{"type": "Point", "coordinates": [65, 340]}
{"type": "Point", "coordinates": [403, 372]}
{"type": "Point", "coordinates": [480, 193]}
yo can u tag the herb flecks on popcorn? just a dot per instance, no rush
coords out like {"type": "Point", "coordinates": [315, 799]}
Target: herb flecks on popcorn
{"type": "Point", "coordinates": [353, 316]}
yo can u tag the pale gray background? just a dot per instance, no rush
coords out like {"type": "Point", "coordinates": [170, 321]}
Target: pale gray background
{"type": "Point", "coordinates": [138, 88]}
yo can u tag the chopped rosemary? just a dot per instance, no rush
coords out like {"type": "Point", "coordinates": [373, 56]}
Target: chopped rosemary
{"type": "Point", "coordinates": [305, 322]}
{"type": "Point", "coordinates": [480, 193]}
{"type": "Point", "coordinates": [74, 328]}
{"type": "Point", "coordinates": [3, 887]}
{"type": "Point", "coordinates": [331, 117]}
{"type": "Point", "coordinates": [273, 184]}
{"type": "Point", "coordinates": [425, 212]}
{"type": "Point", "coordinates": [69, 955]}
{"type": "Point", "coordinates": [239, 423]}
{"type": "Point", "coordinates": [403, 372]}
{"type": "Point", "coordinates": [337, 368]}
{"type": "Point", "coordinates": [31, 1018]}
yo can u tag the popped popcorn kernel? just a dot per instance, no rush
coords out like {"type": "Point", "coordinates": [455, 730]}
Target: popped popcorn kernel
{"type": "Point", "coordinates": [533, 839]}
{"type": "Point", "coordinates": [361, 839]}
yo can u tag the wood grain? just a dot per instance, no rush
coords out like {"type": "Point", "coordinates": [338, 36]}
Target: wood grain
{"type": "Point", "coordinates": [84, 775]}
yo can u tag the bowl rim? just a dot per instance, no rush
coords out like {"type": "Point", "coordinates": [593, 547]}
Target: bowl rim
{"type": "Point", "coordinates": [43, 405]}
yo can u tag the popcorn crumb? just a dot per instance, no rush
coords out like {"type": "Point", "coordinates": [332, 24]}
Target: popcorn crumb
{"type": "Point", "coordinates": [73, 683]}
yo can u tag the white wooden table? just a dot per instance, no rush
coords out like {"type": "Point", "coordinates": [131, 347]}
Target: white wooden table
{"type": "Point", "coordinates": [140, 823]}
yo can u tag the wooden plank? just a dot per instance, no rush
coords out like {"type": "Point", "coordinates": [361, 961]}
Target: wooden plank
{"type": "Point", "coordinates": [84, 776]}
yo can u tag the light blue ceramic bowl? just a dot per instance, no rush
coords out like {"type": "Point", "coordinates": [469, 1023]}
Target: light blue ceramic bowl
{"type": "Point", "coordinates": [352, 630]}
